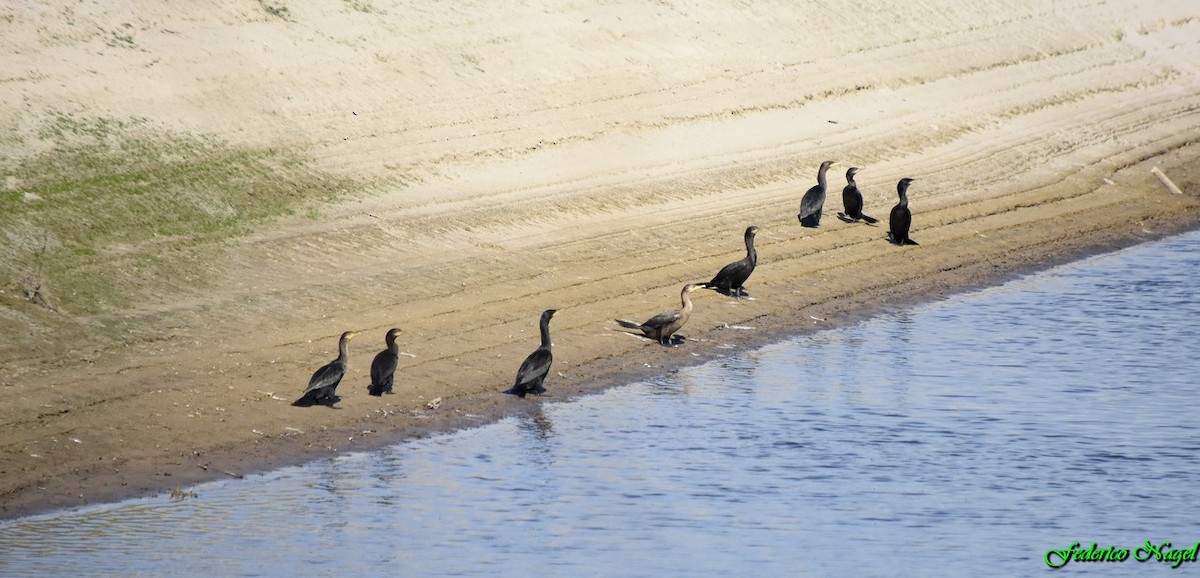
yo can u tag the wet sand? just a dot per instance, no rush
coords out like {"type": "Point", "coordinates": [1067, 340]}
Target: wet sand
{"type": "Point", "coordinates": [593, 160]}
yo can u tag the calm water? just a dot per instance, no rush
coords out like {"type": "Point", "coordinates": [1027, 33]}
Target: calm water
{"type": "Point", "coordinates": [965, 437]}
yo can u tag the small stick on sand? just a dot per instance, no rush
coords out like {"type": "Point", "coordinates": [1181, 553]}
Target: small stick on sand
{"type": "Point", "coordinates": [1166, 181]}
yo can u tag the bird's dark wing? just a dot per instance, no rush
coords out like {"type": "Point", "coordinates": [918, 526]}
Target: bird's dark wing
{"type": "Point", "coordinates": [662, 319]}
{"type": "Point", "coordinates": [382, 366]}
{"type": "Point", "coordinates": [899, 222]}
{"type": "Point", "coordinates": [852, 200]}
{"type": "Point", "coordinates": [811, 202]}
{"type": "Point", "coordinates": [535, 367]}
{"type": "Point", "coordinates": [728, 273]}
{"type": "Point", "coordinates": [330, 374]}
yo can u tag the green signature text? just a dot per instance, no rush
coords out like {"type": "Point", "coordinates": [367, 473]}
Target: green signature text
{"type": "Point", "coordinates": [1162, 552]}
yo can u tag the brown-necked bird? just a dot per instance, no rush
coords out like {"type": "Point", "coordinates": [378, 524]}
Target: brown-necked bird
{"type": "Point", "coordinates": [664, 325]}
{"type": "Point", "coordinates": [814, 199]}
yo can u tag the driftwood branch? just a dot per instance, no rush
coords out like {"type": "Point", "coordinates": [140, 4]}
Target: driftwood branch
{"type": "Point", "coordinates": [1166, 181]}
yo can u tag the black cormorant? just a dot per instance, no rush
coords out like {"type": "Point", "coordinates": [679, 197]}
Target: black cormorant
{"type": "Point", "coordinates": [814, 200]}
{"type": "Point", "coordinates": [852, 200]}
{"type": "Point", "coordinates": [383, 367]}
{"type": "Point", "coordinates": [664, 325]}
{"type": "Point", "coordinates": [730, 279]}
{"type": "Point", "coordinates": [323, 384]}
{"type": "Point", "coordinates": [535, 367]}
{"type": "Point", "coordinates": [901, 218]}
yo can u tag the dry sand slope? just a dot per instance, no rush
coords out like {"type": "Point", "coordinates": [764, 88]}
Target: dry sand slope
{"type": "Point", "coordinates": [593, 159]}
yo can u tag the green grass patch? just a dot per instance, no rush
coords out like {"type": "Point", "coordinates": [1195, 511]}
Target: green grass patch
{"type": "Point", "coordinates": [117, 211]}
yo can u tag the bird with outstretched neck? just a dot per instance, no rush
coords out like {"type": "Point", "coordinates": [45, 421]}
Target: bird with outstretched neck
{"type": "Point", "coordinates": [322, 387]}
{"type": "Point", "coordinates": [731, 278]}
{"type": "Point", "coordinates": [813, 200]}
{"type": "Point", "coordinates": [534, 369]}
{"type": "Point", "coordinates": [663, 326]}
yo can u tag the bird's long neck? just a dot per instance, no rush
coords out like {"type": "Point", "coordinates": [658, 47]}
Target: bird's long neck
{"type": "Point", "coordinates": [751, 253]}
{"type": "Point", "coordinates": [545, 328]}
{"type": "Point", "coordinates": [686, 299]}
{"type": "Point", "coordinates": [821, 180]}
{"type": "Point", "coordinates": [343, 344]}
{"type": "Point", "coordinates": [902, 190]}
{"type": "Point", "coordinates": [391, 344]}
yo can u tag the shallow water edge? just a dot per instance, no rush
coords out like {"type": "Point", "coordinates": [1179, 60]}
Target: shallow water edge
{"type": "Point", "coordinates": [463, 412]}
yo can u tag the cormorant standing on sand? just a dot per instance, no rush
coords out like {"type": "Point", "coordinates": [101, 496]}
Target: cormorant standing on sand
{"type": "Point", "coordinates": [730, 279]}
{"type": "Point", "coordinates": [383, 367]}
{"type": "Point", "coordinates": [664, 325]}
{"type": "Point", "coordinates": [814, 200]}
{"type": "Point", "coordinates": [901, 218]}
{"type": "Point", "coordinates": [323, 384]}
{"type": "Point", "coordinates": [852, 199]}
{"type": "Point", "coordinates": [535, 367]}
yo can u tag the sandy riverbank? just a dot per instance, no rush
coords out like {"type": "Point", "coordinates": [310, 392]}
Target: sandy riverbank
{"type": "Point", "coordinates": [592, 159]}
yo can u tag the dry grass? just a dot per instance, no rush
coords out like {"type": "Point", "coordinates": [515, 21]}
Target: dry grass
{"type": "Point", "coordinates": [115, 212]}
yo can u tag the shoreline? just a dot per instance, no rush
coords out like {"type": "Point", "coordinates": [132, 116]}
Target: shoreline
{"type": "Point", "coordinates": [474, 410]}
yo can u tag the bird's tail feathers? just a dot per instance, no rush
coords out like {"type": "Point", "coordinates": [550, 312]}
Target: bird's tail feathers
{"type": "Point", "coordinates": [869, 219]}
{"type": "Point", "coordinates": [628, 324]}
{"type": "Point", "coordinates": [515, 390]}
{"type": "Point", "coordinates": [723, 291]}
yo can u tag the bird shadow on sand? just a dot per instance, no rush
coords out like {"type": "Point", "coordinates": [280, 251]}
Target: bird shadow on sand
{"type": "Point", "coordinates": [848, 219]}
{"type": "Point", "coordinates": [327, 402]}
{"type": "Point", "coordinates": [523, 394]}
{"type": "Point", "coordinates": [733, 293]}
{"type": "Point", "coordinates": [672, 341]}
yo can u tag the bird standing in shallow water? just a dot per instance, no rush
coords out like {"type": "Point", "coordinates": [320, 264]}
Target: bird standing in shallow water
{"type": "Point", "coordinates": [852, 200]}
{"type": "Point", "coordinates": [383, 367]}
{"type": "Point", "coordinates": [323, 384]}
{"type": "Point", "coordinates": [814, 199]}
{"type": "Point", "coordinates": [732, 277]}
{"type": "Point", "coordinates": [662, 326]}
{"type": "Point", "coordinates": [900, 220]}
{"type": "Point", "coordinates": [535, 367]}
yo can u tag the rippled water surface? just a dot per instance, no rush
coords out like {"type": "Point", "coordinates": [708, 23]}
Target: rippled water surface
{"type": "Point", "coordinates": [966, 437]}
